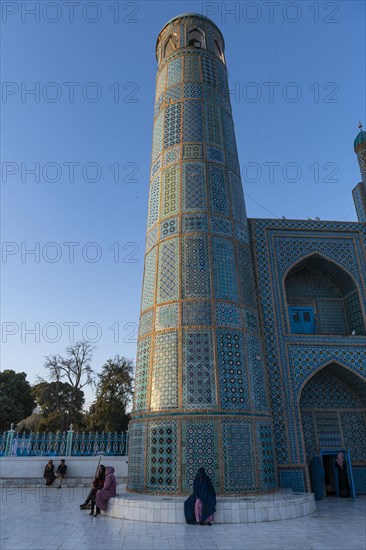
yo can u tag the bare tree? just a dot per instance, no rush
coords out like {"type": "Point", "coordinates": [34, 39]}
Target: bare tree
{"type": "Point", "coordinates": [75, 368]}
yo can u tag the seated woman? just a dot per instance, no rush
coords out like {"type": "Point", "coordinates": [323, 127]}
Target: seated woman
{"type": "Point", "coordinates": [201, 505]}
{"type": "Point", "coordinates": [98, 483]}
{"type": "Point", "coordinates": [49, 473]}
{"type": "Point", "coordinates": [108, 491]}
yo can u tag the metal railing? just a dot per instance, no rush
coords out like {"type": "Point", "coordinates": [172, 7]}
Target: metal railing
{"type": "Point", "coordinates": [68, 443]}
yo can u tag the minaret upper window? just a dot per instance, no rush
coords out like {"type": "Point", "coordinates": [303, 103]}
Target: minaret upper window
{"type": "Point", "coordinates": [196, 38]}
{"type": "Point", "coordinates": [170, 44]}
{"type": "Point", "coordinates": [218, 51]}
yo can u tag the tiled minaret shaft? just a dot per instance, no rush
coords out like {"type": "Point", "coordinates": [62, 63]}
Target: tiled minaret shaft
{"type": "Point", "coordinates": [201, 394]}
{"type": "Point", "coordinates": [359, 192]}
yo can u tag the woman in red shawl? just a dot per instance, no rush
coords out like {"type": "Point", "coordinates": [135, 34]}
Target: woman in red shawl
{"type": "Point", "coordinates": [108, 491]}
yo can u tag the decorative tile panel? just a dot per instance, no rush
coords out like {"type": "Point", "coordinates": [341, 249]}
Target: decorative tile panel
{"type": "Point", "coordinates": [170, 191]}
{"type": "Point", "coordinates": [152, 237]}
{"type": "Point", "coordinates": [160, 82]}
{"type": "Point", "coordinates": [227, 315]}
{"type": "Point", "coordinates": [208, 70]}
{"type": "Point", "coordinates": [162, 471]}
{"type": "Point", "coordinates": [193, 91]}
{"type": "Point", "coordinates": [192, 151]}
{"type": "Point", "coordinates": [142, 375]}
{"type": "Point", "coordinates": [266, 458]}
{"type": "Point", "coordinates": [172, 155]}
{"type": "Point", "coordinates": [192, 121]}
{"type": "Point", "coordinates": [198, 370]}
{"type": "Point", "coordinates": [169, 227]}
{"type": "Point", "coordinates": [154, 202]}
{"type": "Point", "coordinates": [213, 123]}
{"type": "Point", "coordinates": [195, 268]}
{"type": "Point", "coordinates": [197, 313]}
{"type": "Point", "coordinates": [146, 323]}
{"type": "Point", "coordinates": [164, 392]}
{"type": "Point", "coordinates": [136, 450]}
{"type": "Point", "coordinates": [155, 167]}
{"type": "Point", "coordinates": [192, 71]}
{"type": "Point", "coordinates": [256, 373]}
{"type": "Point", "coordinates": [194, 222]}
{"type": "Point", "coordinates": [193, 183]}
{"type": "Point", "coordinates": [168, 279]}
{"type": "Point", "coordinates": [174, 72]}
{"type": "Point", "coordinates": [354, 434]}
{"type": "Point", "coordinates": [159, 104]}
{"type": "Point", "coordinates": [229, 134]}
{"type": "Point", "coordinates": [167, 316]}
{"type": "Point", "coordinates": [239, 466]}
{"type": "Point", "coordinates": [241, 232]}
{"type": "Point", "coordinates": [174, 94]}
{"type": "Point", "coordinates": [217, 189]}
{"type": "Point", "coordinates": [293, 479]}
{"type": "Point", "coordinates": [215, 154]}
{"type": "Point", "coordinates": [220, 226]}
{"type": "Point", "coordinates": [250, 320]}
{"type": "Point", "coordinates": [246, 276]}
{"type": "Point", "coordinates": [232, 370]}
{"type": "Point", "coordinates": [223, 268]}
{"type": "Point", "coordinates": [149, 280]}
{"type": "Point", "coordinates": [172, 125]}
{"type": "Point", "coordinates": [211, 94]}
{"type": "Point", "coordinates": [359, 479]}
{"type": "Point", "coordinates": [237, 198]}
{"type": "Point", "coordinates": [158, 136]}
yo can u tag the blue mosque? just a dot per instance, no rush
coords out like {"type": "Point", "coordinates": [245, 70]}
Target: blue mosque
{"type": "Point", "coordinates": [251, 356]}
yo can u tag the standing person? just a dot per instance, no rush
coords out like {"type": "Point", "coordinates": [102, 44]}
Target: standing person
{"type": "Point", "coordinates": [201, 505]}
{"type": "Point", "coordinates": [49, 473]}
{"type": "Point", "coordinates": [108, 491]}
{"type": "Point", "coordinates": [343, 483]}
{"type": "Point", "coordinates": [98, 483]}
{"type": "Point", "coordinates": [61, 472]}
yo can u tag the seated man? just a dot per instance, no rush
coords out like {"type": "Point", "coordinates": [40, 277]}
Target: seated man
{"type": "Point", "coordinates": [61, 472]}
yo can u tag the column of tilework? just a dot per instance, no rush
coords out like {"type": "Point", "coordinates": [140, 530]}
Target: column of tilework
{"type": "Point", "coordinates": [201, 390]}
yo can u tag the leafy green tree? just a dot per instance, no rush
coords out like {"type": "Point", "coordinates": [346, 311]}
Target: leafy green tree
{"type": "Point", "coordinates": [76, 370]}
{"type": "Point", "coordinates": [57, 400]}
{"type": "Point", "coordinates": [114, 393]}
{"type": "Point", "coordinates": [16, 399]}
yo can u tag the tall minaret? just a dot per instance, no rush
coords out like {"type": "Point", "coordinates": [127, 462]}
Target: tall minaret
{"type": "Point", "coordinates": [359, 192]}
{"type": "Point", "coordinates": [201, 395]}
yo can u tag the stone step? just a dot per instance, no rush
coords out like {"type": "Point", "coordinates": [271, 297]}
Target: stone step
{"type": "Point", "coordinates": [40, 482]}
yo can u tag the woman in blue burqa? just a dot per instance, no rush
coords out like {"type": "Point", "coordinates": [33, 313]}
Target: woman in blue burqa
{"type": "Point", "coordinates": [201, 505]}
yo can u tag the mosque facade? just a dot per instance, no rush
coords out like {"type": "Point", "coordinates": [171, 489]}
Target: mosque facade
{"type": "Point", "coordinates": [251, 356]}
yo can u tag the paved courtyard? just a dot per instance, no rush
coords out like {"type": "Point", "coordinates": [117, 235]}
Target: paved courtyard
{"type": "Point", "coordinates": [40, 518]}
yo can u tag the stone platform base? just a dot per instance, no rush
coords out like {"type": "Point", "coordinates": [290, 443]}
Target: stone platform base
{"type": "Point", "coordinates": [246, 509]}
{"type": "Point", "coordinates": [40, 482]}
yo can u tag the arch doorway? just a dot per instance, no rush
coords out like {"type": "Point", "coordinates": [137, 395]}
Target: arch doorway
{"type": "Point", "coordinates": [333, 413]}
{"type": "Point", "coordinates": [322, 298]}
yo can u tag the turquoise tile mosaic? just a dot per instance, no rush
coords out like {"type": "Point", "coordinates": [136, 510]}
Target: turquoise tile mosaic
{"type": "Point", "coordinates": [198, 370]}
{"type": "Point", "coordinates": [226, 378]}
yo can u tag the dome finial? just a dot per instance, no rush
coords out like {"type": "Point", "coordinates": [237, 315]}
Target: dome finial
{"type": "Point", "coordinates": [360, 125]}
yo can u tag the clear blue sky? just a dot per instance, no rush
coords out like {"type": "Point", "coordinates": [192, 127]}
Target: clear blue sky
{"type": "Point", "coordinates": [297, 73]}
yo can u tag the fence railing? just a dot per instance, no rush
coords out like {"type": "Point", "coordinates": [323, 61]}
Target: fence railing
{"type": "Point", "coordinates": [68, 443]}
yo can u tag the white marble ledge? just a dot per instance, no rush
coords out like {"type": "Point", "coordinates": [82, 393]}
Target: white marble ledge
{"type": "Point", "coordinates": [250, 509]}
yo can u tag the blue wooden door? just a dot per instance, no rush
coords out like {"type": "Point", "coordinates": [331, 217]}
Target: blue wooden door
{"type": "Point", "coordinates": [302, 320]}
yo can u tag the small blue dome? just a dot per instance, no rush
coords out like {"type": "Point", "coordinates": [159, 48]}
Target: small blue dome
{"type": "Point", "coordinates": [361, 138]}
